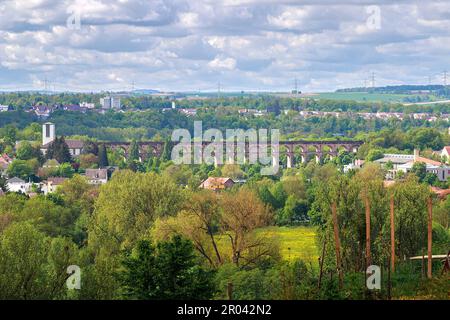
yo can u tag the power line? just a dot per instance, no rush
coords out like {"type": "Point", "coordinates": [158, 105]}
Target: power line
{"type": "Point", "coordinates": [45, 84]}
{"type": "Point", "coordinates": [218, 90]}
{"type": "Point", "coordinates": [445, 77]}
{"type": "Point", "coordinates": [373, 79]}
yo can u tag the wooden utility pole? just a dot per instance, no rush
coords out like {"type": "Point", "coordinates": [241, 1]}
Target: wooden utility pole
{"type": "Point", "coordinates": [337, 242]}
{"type": "Point", "coordinates": [321, 260]}
{"type": "Point", "coordinates": [368, 255]}
{"type": "Point", "coordinates": [430, 237]}
{"type": "Point", "coordinates": [392, 235]}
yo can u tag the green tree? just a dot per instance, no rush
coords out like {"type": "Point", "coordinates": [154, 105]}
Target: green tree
{"type": "Point", "coordinates": [66, 170]}
{"type": "Point", "coordinates": [134, 151]}
{"type": "Point", "coordinates": [374, 154]}
{"type": "Point", "coordinates": [102, 156]}
{"type": "Point", "coordinates": [21, 169]}
{"type": "Point", "coordinates": [166, 153]}
{"type": "Point", "coordinates": [59, 150]}
{"type": "Point", "coordinates": [26, 152]}
{"type": "Point", "coordinates": [168, 272]}
{"type": "Point", "coordinates": [23, 252]}
{"type": "Point", "coordinates": [420, 170]}
{"type": "Point", "coordinates": [10, 135]}
{"type": "Point", "coordinates": [127, 207]}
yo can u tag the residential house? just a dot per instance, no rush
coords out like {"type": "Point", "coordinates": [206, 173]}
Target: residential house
{"type": "Point", "coordinates": [97, 176]}
{"type": "Point", "coordinates": [216, 184]}
{"type": "Point", "coordinates": [87, 105]}
{"type": "Point", "coordinates": [42, 111]}
{"type": "Point", "coordinates": [252, 112]}
{"type": "Point", "coordinates": [18, 185]}
{"type": "Point", "coordinates": [4, 108]}
{"type": "Point", "coordinates": [188, 111]}
{"type": "Point", "coordinates": [74, 108]}
{"type": "Point", "coordinates": [52, 184]}
{"type": "Point", "coordinates": [355, 165]}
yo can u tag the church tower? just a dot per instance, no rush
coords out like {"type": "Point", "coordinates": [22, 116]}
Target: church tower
{"type": "Point", "coordinates": [48, 132]}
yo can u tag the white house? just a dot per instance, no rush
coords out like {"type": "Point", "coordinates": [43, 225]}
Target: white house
{"type": "Point", "coordinates": [87, 105]}
{"type": "Point", "coordinates": [4, 108]}
{"type": "Point", "coordinates": [97, 176]}
{"type": "Point", "coordinates": [18, 185]}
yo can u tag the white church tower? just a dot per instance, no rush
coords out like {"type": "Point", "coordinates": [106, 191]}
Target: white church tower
{"type": "Point", "coordinates": [48, 132]}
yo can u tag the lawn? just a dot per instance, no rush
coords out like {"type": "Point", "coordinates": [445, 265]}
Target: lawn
{"type": "Point", "coordinates": [295, 242]}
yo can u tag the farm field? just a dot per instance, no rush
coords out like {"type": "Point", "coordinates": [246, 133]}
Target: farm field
{"type": "Point", "coordinates": [362, 96]}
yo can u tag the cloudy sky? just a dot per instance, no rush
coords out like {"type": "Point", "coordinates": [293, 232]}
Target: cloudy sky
{"type": "Point", "coordinates": [180, 45]}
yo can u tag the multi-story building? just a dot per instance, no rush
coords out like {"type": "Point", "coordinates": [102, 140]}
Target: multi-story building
{"type": "Point", "coordinates": [110, 102]}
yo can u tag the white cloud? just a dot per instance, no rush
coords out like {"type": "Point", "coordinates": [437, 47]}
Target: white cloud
{"type": "Point", "coordinates": [244, 44]}
{"type": "Point", "coordinates": [223, 63]}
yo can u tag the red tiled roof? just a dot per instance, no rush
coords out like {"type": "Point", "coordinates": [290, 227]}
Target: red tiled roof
{"type": "Point", "coordinates": [426, 160]}
{"type": "Point", "coordinates": [216, 182]}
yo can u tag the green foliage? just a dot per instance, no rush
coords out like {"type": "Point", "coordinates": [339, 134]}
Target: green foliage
{"type": "Point", "coordinates": [26, 152]}
{"type": "Point", "coordinates": [59, 150]}
{"type": "Point", "coordinates": [168, 272]}
{"type": "Point", "coordinates": [102, 156]}
{"type": "Point", "coordinates": [420, 170]}
{"type": "Point", "coordinates": [32, 266]}
{"type": "Point", "coordinates": [21, 168]}
{"type": "Point", "coordinates": [166, 154]}
{"type": "Point", "coordinates": [374, 154]}
{"type": "Point", "coordinates": [134, 152]}
{"type": "Point", "coordinates": [128, 205]}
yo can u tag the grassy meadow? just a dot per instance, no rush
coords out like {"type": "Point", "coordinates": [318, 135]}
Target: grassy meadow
{"type": "Point", "coordinates": [294, 243]}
